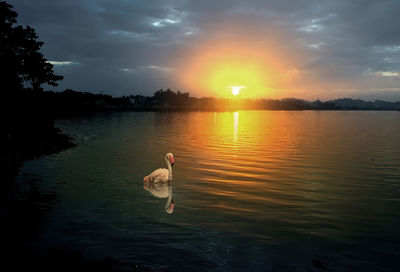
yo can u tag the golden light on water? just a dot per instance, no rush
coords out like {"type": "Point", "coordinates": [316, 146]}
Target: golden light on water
{"type": "Point", "coordinates": [235, 148]}
{"type": "Point", "coordinates": [235, 126]}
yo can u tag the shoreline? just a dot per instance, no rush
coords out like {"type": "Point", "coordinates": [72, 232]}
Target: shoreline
{"type": "Point", "coordinates": [180, 109]}
{"type": "Point", "coordinates": [15, 151]}
{"type": "Point", "coordinates": [199, 109]}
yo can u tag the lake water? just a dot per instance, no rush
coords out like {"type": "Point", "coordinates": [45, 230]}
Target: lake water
{"type": "Point", "coordinates": [256, 190]}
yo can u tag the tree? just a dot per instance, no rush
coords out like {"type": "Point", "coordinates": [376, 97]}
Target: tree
{"type": "Point", "coordinates": [21, 63]}
{"type": "Point", "coordinates": [27, 124]}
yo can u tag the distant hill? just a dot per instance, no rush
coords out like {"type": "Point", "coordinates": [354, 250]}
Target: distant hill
{"type": "Point", "coordinates": [358, 104]}
{"type": "Point", "coordinates": [345, 104]}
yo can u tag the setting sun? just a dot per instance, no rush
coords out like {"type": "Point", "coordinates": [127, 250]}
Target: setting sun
{"type": "Point", "coordinates": [236, 90]}
{"type": "Point", "coordinates": [223, 67]}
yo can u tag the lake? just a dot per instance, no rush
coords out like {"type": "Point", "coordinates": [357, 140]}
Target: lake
{"type": "Point", "coordinates": [256, 190]}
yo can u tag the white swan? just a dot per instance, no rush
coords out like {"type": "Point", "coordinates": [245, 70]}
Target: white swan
{"type": "Point", "coordinates": [162, 175]}
{"type": "Point", "coordinates": [159, 183]}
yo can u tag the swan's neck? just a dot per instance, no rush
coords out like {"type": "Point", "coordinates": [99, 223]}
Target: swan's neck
{"type": "Point", "coordinates": [169, 169]}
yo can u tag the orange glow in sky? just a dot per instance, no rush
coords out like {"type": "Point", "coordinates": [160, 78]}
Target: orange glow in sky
{"type": "Point", "coordinates": [227, 68]}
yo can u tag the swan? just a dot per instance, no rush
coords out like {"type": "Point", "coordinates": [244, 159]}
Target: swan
{"type": "Point", "coordinates": [157, 182]}
{"type": "Point", "coordinates": [162, 175]}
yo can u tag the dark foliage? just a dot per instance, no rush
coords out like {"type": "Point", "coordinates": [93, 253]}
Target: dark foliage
{"type": "Point", "coordinates": [170, 98]}
{"type": "Point", "coordinates": [27, 124]}
{"type": "Point", "coordinates": [71, 102]}
{"type": "Point", "coordinates": [22, 64]}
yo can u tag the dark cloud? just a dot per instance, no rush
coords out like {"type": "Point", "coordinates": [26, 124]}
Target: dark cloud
{"type": "Point", "coordinates": [123, 47]}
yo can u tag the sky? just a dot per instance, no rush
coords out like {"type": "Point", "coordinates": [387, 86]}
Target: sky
{"type": "Point", "coordinates": [307, 49]}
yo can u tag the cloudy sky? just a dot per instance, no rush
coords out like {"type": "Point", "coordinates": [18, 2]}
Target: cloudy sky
{"type": "Point", "coordinates": [304, 49]}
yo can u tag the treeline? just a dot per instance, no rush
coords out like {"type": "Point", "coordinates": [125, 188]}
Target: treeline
{"type": "Point", "coordinates": [168, 99]}
{"type": "Point", "coordinates": [183, 101]}
{"type": "Point", "coordinates": [71, 102]}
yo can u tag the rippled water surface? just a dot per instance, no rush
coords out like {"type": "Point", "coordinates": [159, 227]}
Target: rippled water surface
{"type": "Point", "coordinates": [256, 190]}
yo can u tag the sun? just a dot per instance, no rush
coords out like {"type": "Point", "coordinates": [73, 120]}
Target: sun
{"type": "Point", "coordinates": [236, 90]}
{"type": "Point", "coordinates": [224, 68]}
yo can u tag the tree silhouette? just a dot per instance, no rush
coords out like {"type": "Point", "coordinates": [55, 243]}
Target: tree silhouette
{"type": "Point", "coordinates": [27, 123]}
{"type": "Point", "coordinates": [21, 63]}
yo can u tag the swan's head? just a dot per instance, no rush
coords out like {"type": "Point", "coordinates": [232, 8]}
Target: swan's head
{"type": "Point", "coordinates": [170, 208]}
{"type": "Point", "coordinates": [170, 158]}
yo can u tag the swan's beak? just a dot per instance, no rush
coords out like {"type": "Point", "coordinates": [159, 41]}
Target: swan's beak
{"type": "Point", "coordinates": [171, 207]}
{"type": "Point", "coordinates": [171, 159]}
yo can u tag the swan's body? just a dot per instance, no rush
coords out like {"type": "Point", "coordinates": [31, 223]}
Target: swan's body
{"type": "Point", "coordinates": [158, 176]}
{"type": "Point", "coordinates": [159, 183]}
{"type": "Point", "coordinates": [162, 174]}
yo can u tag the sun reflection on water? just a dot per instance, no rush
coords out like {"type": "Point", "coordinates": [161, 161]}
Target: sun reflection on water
{"type": "Point", "coordinates": [235, 126]}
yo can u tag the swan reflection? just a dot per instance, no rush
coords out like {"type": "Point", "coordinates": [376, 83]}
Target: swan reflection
{"type": "Point", "coordinates": [159, 183]}
{"type": "Point", "coordinates": [161, 190]}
